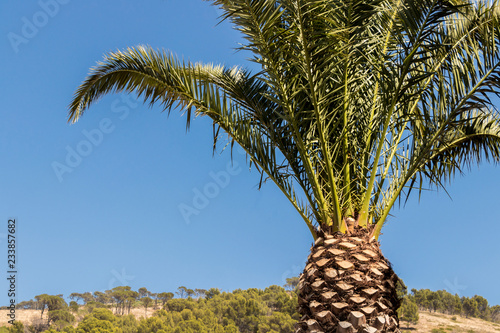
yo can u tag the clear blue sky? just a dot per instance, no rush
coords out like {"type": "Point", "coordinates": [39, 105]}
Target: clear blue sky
{"type": "Point", "coordinates": [112, 215]}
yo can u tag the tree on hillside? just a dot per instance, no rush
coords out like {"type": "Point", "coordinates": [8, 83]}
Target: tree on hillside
{"type": "Point", "coordinates": [212, 292]}
{"type": "Point", "coordinates": [123, 298]}
{"type": "Point", "coordinates": [495, 313]}
{"type": "Point", "coordinates": [152, 324]}
{"type": "Point", "coordinates": [41, 302]}
{"type": "Point", "coordinates": [85, 297]}
{"type": "Point", "coordinates": [357, 104]}
{"type": "Point", "coordinates": [436, 301]}
{"type": "Point", "coordinates": [200, 293]}
{"type": "Point", "coordinates": [60, 319]}
{"type": "Point", "coordinates": [91, 324]}
{"type": "Point", "coordinates": [132, 297]}
{"type": "Point", "coordinates": [75, 297]}
{"type": "Point", "coordinates": [73, 306]}
{"type": "Point", "coordinates": [291, 283]}
{"type": "Point", "coordinates": [27, 305]}
{"type": "Point", "coordinates": [103, 314]}
{"type": "Point", "coordinates": [457, 305]}
{"type": "Point", "coordinates": [154, 296]}
{"type": "Point", "coordinates": [420, 297]}
{"type": "Point", "coordinates": [408, 311]}
{"type": "Point", "coordinates": [470, 307]}
{"type": "Point", "coordinates": [190, 292]}
{"type": "Point", "coordinates": [17, 327]}
{"type": "Point", "coordinates": [143, 292]}
{"type": "Point", "coordinates": [165, 297]}
{"type": "Point", "coordinates": [101, 297]}
{"type": "Point", "coordinates": [483, 307]}
{"type": "Point", "coordinates": [146, 301]}
{"type": "Point", "coordinates": [51, 302]}
{"type": "Point", "coordinates": [182, 291]}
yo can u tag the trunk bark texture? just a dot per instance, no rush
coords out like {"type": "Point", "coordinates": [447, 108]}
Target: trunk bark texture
{"type": "Point", "coordinates": [347, 286]}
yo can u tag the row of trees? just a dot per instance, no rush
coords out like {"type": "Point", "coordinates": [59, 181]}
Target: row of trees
{"type": "Point", "coordinates": [271, 310]}
{"type": "Point", "coordinates": [444, 302]}
{"type": "Point", "coordinates": [123, 298]}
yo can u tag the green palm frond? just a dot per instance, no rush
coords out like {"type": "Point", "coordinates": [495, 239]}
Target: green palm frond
{"type": "Point", "coordinates": [230, 97]}
{"type": "Point", "coordinates": [357, 102]}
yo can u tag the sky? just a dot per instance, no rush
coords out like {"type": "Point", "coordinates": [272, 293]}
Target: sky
{"type": "Point", "coordinates": [127, 196]}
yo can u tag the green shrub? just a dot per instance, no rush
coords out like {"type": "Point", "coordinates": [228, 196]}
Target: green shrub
{"type": "Point", "coordinates": [438, 330]}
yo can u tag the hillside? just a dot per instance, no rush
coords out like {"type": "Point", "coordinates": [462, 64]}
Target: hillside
{"type": "Point", "coordinates": [272, 310]}
{"type": "Point", "coordinates": [428, 322]}
{"type": "Point", "coordinates": [442, 323]}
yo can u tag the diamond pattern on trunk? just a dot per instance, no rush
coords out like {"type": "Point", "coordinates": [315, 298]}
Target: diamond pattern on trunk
{"type": "Point", "coordinates": [322, 262]}
{"type": "Point", "coordinates": [356, 277]}
{"type": "Point", "coordinates": [338, 307]}
{"type": "Point", "coordinates": [382, 266]}
{"type": "Point", "coordinates": [356, 240]}
{"type": "Point", "coordinates": [336, 252]}
{"type": "Point", "coordinates": [368, 310]}
{"type": "Point", "coordinates": [370, 253]}
{"type": "Point", "coordinates": [375, 271]}
{"type": "Point", "coordinates": [345, 327]}
{"type": "Point", "coordinates": [327, 296]}
{"type": "Point", "coordinates": [344, 286]}
{"type": "Point", "coordinates": [344, 264]}
{"type": "Point", "coordinates": [325, 317]}
{"type": "Point", "coordinates": [313, 325]}
{"type": "Point", "coordinates": [347, 245]}
{"type": "Point", "coordinates": [312, 272]}
{"type": "Point", "coordinates": [357, 299]}
{"type": "Point", "coordinates": [381, 306]}
{"type": "Point", "coordinates": [369, 293]}
{"type": "Point", "coordinates": [318, 254]}
{"type": "Point", "coordinates": [318, 284]}
{"type": "Point", "coordinates": [331, 241]}
{"type": "Point", "coordinates": [316, 306]}
{"type": "Point", "coordinates": [357, 319]}
{"type": "Point", "coordinates": [347, 286]}
{"type": "Point", "coordinates": [331, 274]}
{"type": "Point", "coordinates": [361, 257]}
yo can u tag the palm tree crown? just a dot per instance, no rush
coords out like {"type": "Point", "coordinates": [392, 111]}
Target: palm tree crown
{"type": "Point", "coordinates": [358, 102]}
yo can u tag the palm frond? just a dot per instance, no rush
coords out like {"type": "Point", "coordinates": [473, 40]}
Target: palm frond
{"type": "Point", "coordinates": [357, 102]}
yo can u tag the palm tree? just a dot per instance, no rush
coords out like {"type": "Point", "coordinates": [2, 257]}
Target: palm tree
{"type": "Point", "coordinates": [358, 104]}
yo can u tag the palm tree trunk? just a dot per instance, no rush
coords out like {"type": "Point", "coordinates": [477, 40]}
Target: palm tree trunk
{"type": "Point", "coordinates": [347, 286]}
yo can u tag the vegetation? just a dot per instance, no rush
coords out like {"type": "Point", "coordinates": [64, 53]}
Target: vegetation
{"type": "Point", "coordinates": [253, 310]}
{"type": "Point", "coordinates": [444, 302]}
{"type": "Point", "coordinates": [408, 311]}
{"type": "Point", "coordinates": [272, 310]}
{"type": "Point", "coordinates": [357, 104]}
